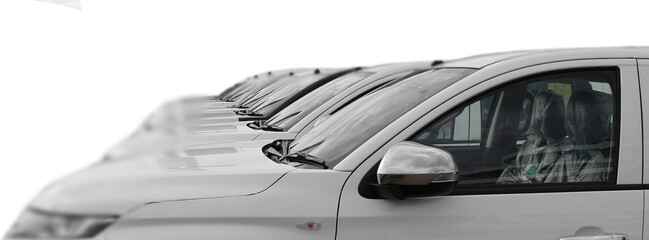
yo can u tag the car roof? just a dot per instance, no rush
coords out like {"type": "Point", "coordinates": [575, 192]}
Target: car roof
{"type": "Point", "coordinates": [547, 55]}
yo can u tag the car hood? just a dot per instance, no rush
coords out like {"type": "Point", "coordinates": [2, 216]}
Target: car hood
{"type": "Point", "coordinates": [119, 186]}
{"type": "Point", "coordinates": [217, 104]}
{"type": "Point", "coordinates": [220, 127]}
{"type": "Point", "coordinates": [230, 137]}
{"type": "Point", "coordinates": [160, 142]}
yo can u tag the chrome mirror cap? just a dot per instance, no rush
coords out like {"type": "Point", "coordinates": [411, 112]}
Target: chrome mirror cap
{"type": "Point", "coordinates": [410, 163]}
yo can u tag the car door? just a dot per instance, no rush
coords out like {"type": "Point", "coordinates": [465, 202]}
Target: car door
{"type": "Point", "coordinates": [592, 188]}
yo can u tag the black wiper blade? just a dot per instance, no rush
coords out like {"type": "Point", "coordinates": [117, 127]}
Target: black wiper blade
{"type": "Point", "coordinates": [268, 127]}
{"type": "Point", "coordinates": [254, 125]}
{"type": "Point", "coordinates": [276, 150]}
{"type": "Point", "coordinates": [305, 159]}
{"type": "Point", "coordinates": [248, 112]}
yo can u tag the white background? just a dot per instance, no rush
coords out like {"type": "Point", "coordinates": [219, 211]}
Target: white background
{"type": "Point", "coordinates": [72, 83]}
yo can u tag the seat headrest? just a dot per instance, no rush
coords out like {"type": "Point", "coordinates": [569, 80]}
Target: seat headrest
{"type": "Point", "coordinates": [548, 115]}
{"type": "Point", "coordinates": [589, 117]}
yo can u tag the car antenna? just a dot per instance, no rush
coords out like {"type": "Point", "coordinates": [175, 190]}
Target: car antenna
{"type": "Point", "coordinates": [270, 73]}
{"type": "Point", "coordinates": [436, 62]}
{"type": "Point", "coordinates": [291, 74]}
{"type": "Point", "coordinates": [317, 71]}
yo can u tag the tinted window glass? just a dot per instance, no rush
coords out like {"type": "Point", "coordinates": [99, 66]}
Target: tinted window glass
{"type": "Point", "coordinates": [290, 115]}
{"type": "Point", "coordinates": [280, 95]}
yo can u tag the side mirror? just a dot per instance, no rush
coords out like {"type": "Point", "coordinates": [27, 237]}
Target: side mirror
{"type": "Point", "coordinates": [411, 169]}
{"type": "Point", "coordinates": [321, 119]}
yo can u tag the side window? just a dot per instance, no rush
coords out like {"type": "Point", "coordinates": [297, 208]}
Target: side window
{"type": "Point", "coordinates": [555, 128]}
{"type": "Point", "coordinates": [464, 127]}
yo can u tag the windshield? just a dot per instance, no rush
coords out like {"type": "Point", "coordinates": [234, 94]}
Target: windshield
{"type": "Point", "coordinates": [274, 100]}
{"type": "Point", "coordinates": [243, 88]}
{"type": "Point", "coordinates": [264, 88]}
{"type": "Point", "coordinates": [236, 96]}
{"type": "Point", "coordinates": [336, 137]}
{"type": "Point", "coordinates": [258, 82]}
{"type": "Point", "coordinates": [290, 115]}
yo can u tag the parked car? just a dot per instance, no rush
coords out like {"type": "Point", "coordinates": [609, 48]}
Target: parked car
{"type": "Point", "coordinates": [260, 106]}
{"type": "Point", "coordinates": [177, 113]}
{"type": "Point", "coordinates": [250, 86]}
{"type": "Point", "coordinates": [244, 88]}
{"type": "Point", "coordinates": [288, 123]}
{"type": "Point", "coordinates": [521, 145]}
{"type": "Point", "coordinates": [235, 91]}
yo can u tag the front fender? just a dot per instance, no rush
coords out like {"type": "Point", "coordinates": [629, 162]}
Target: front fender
{"type": "Point", "coordinates": [300, 196]}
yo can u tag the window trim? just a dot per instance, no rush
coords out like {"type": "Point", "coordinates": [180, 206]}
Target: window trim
{"type": "Point", "coordinates": [545, 188]}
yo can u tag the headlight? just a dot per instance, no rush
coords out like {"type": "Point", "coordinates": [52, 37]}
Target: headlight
{"type": "Point", "coordinates": [38, 224]}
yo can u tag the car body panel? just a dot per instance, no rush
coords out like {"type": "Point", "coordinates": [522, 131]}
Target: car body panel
{"type": "Point", "coordinates": [275, 135]}
{"type": "Point", "coordinates": [300, 197]}
{"type": "Point", "coordinates": [643, 70]}
{"type": "Point", "coordinates": [499, 216]}
{"type": "Point", "coordinates": [218, 113]}
{"type": "Point", "coordinates": [214, 120]}
{"type": "Point", "coordinates": [220, 127]}
{"type": "Point", "coordinates": [225, 137]}
{"type": "Point", "coordinates": [217, 105]}
{"type": "Point", "coordinates": [117, 187]}
{"type": "Point", "coordinates": [161, 142]}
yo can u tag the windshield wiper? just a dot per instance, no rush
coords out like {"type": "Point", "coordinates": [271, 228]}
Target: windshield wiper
{"type": "Point", "coordinates": [248, 112]}
{"type": "Point", "coordinates": [268, 127]}
{"type": "Point", "coordinates": [305, 159]}
{"type": "Point", "coordinates": [259, 125]}
{"type": "Point", "coordinates": [276, 150]}
{"type": "Point", "coordinates": [237, 106]}
{"type": "Point", "coordinates": [254, 125]}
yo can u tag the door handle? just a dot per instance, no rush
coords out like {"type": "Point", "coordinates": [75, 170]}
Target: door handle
{"type": "Point", "coordinates": [608, 236]}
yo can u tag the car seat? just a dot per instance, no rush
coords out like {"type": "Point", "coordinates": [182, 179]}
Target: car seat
{"type": "Point", "coordinates": [546, 139]}
{"type": "Point", "coordinates": [589, 124]}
